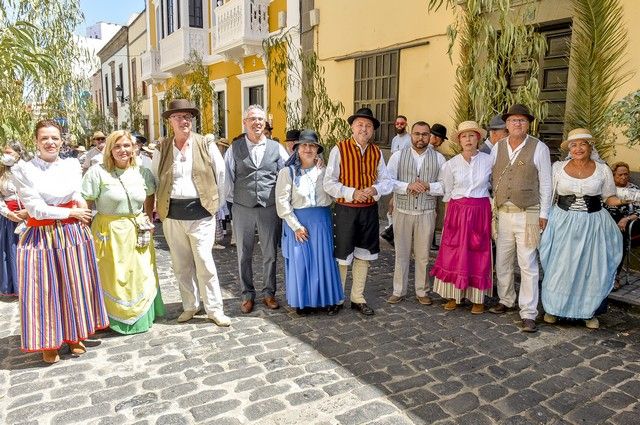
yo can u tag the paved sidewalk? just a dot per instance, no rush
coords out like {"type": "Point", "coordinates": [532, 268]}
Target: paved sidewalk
{"type": "Point", "coordinates": [407, 364]}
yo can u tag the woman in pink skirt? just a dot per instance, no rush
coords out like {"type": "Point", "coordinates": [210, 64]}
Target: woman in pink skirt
{"type": "Point", "coordinates": [463, 267]}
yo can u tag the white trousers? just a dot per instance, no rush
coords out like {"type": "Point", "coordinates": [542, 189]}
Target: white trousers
{"type": "Point", "coordinates": [510, 242]}
{"type": "Point", "coordinates": [190, 243]}
{"type": "Point", "coordinates": [412, 231]}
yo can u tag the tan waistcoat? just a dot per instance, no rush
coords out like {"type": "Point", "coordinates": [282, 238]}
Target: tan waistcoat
{"type": "Point", "coordinates": [204, 179]}
{"type": "Point", "coordinates": [518, 182]}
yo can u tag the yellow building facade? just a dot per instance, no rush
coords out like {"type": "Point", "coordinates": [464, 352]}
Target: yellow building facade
{"type": "Point", "coordinates": [228, 36]}
{"type": "Point", "coordinates": [394, 57]}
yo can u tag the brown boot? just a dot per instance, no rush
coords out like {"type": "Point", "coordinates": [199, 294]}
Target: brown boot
{"type": "Point", "coordinates": [477, 309]}
{"type": "Point", "coordinates": [451, 305]}
{"type": "Point", "coordinates": [77, 348]}
{"type": "Point", "coordinates": [50, 356]}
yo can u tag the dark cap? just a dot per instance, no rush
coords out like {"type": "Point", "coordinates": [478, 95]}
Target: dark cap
{"type": "Point", "coordinates": [440, 131]}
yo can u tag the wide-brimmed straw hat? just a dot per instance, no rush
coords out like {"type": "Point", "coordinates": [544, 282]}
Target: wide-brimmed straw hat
{"type": "Point", "coordinates": [309, 137]}
{"type": "Point", "coordinates": [150, 147]}
{"type": "Point", "coordinates": [180, 105]}
{"type": "Point", "coordinates": [364, 113]}
{"type": "Point", "coordinates": [98, 135]}
{"type": "Point", "coordinates": [518, 109]}
{"type": "Point", "coordinates": [577, 134]}
{"type": "Point", "coordinates": [469, 126]}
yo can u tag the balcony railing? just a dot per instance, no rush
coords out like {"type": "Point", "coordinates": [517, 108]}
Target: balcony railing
{"type": "Point", "coordinates": [150, 65]}
{"type": "Point", "coordinates": [239, 28]}
{"type": "Point", "coordinates": [175, 49]}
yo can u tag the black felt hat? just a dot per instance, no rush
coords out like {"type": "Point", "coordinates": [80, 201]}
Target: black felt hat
{"type": "Point", "coordinates": [292, 135]}
{"type": "Point", "coordinates": [364, 113]}
{"type": "Point", "coordinates": [440, 131]}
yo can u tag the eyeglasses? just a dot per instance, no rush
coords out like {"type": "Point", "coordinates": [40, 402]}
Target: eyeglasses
{"type": "Point", "coordinates": [425, 134]}
{"type": "Point", "coordinates": [255, 118]}
{"type": "Point", "coordinates": [517, 121]}
{"type": "Point", "coordinates": [180, 117]}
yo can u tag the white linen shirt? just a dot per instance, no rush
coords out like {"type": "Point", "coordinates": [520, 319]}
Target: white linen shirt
{"type": "Point", "coordinates": [43, 185]}
{"type": "Point", "coordinates": [383, 184]}
{"type": "Point", "coordinates": [542, 162]}
{"type": "Point", "coordinates": [599, 183]}
{"type": "Point", "coordinates": [307, 192]}
{"type": "Point", "coordinates": [462, 179]}
{"type": "Point", "coordinates": [400, 142]}
{"type": "Point", "coordinates": [256, 152]}
{"type": "Point", "coordinates": [400, 187]}
{"type": "Point", "coordinates": [183, 186]}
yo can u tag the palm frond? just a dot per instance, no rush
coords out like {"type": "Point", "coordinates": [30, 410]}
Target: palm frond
{"type": "Point", "coordinates": [599, 48]}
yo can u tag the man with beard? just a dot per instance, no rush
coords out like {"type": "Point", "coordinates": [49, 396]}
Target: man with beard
{"type": "Point", "coordinates": [357, 177]}
{"type": "Point", "coordinates": [253, 163]}
{"type": "Point", "coordinates": [415, 170]}
{"type": "Point", "coordinates": [190, 173]}
{"type": "Point", "coordinates": [402, 139]}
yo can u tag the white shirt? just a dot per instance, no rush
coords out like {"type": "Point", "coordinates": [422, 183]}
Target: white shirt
{"type": "Point", "coordinates": [542, 162]}
{"type": "Point", "coordinates": [8, 192]}
{"type": "Point", "coordinates": [383, 184]}
{"type": "Point", "coordinates": [86, 161]}
{"type": "Point", "coordinates": [462, 179]}
{"type": "Point", "coordinates": [256, 151]}
{"type": "Point", "coordinates": [599, 183]}
{"type": "Point", "coordinates": [144, 161]}
{"type": "Point", "coordinates": [400, 187]}
{"type": "Point", "coordinates": [400, 141]}
{"type": "Point", "coordinates": [306, 192]}
{"type": "Point", "coordinates": [183, 186]}
{"type": "Point", "coordinates": [43, 185]}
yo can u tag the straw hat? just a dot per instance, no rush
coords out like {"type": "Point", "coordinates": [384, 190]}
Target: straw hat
{"type": "Point", "coordinates": [98, 135]}
{"type": "Point", "coordinates": [577, 134]}
{"type": "Point", "coordinates": [469, 126]}
{"type": "Point", "coordinates": [149, 148]}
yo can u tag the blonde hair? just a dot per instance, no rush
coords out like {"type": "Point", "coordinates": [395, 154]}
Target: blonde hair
{"type": "Point", "coordinates": [108, 162]}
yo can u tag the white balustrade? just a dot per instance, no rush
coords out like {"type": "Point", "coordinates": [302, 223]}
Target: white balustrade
{"type": "Point", "coordinates": [176, 48]}
{"type": "Point", "coordinates": [239, 28]}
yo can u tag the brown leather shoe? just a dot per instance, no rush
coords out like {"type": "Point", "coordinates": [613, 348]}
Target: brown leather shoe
{"type": "Point", "coordinates": [499, 309]}
{"type": "Point", "coordinates": [477, 309]}
{"type": "Point", "coordinates": [77, 348]}
{"type": "Point", "coordinates": [271, 303]}
{"type": "Point", "coordinates": [529, 325]}
{"type": "Point", "coordinates": [247, 306]}
{"type": "Point", "coordinates": [50, 356]}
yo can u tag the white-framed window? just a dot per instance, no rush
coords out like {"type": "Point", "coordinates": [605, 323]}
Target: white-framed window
{"type": "Point", "coordinates": [220, 106]}
{"type": "Point", "coordinates": [253, 87]}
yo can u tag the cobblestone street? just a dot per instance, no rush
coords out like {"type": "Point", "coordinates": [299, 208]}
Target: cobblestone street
{"type": "Point", "coordinates": [407, 364]}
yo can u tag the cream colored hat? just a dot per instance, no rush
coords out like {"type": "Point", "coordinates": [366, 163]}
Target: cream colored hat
{"type": "Point", "coordinates": [149, 148]}
{"type": "Point", "coordinates": [469, 126]}
{"type": "Point", "coordinates": [577, 134]}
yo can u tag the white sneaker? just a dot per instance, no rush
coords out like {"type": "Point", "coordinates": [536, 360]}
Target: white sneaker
{"type": "Point", "coordinates": [220, 319]}
{"type": "Point", "coordinates": [186, 315]}
{"type": "Point", "coordinates": [592, 323]}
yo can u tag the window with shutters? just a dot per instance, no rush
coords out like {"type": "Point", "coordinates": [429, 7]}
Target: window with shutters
{"type": "Point", "coordinates": [376, 87]}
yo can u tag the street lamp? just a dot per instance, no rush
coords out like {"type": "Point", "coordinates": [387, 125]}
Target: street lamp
{"type": "Point", "coordinates": [120, 93]}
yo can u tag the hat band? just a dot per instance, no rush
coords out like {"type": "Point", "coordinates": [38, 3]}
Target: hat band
{"type": "Point", "coordinates": [579, 136]}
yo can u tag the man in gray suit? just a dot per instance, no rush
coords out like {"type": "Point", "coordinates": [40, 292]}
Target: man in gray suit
{"type": "Point", "coordinates": [497, 131]}
{"type": "Point", "coordinates": [252, 164]}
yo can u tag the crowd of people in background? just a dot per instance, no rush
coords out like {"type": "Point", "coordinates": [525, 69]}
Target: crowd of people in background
{"type": "Point", "coordinates": [76, 226]}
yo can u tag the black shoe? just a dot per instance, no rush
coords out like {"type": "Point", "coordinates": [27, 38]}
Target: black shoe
{"type": "Point", "coordinates": [303, 311]}
{"type": "Point", "coordinates": [387, 235]}
{"type": "Point", "coordinates": [334, 309]}
{"type": "Point", "coordinates": [363, 308]}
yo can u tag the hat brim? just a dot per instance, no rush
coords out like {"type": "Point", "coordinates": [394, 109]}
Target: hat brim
{"type": "Point", "coordinates": [481, 131]}
{"type": "Point", "coordinates": [440, 135]}
{"type": "Point", "coordinates": [168, 113]}
{"type": "Point", "coordinates": [530, 117]}
{"type": "Point", "coordinates": [375, 122]}
{"type": "Point", "coordinates": [565, 144]}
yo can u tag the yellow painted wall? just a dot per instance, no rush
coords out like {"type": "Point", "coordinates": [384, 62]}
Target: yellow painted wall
{"type": "Point", "coordinates": [152, 33]}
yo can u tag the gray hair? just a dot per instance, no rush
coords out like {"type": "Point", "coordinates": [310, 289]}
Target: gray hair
{"type": "Point", "coordinates": [255, 108]}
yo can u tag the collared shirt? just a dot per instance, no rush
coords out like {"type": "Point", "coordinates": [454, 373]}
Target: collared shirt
{"type": "Point", "coordinates": [400, 141]}
{"type": "Point", "coordinates": [183, 186]}
{"type": "Point", "coordinates": [400, 187]}
{"type": "Point", "coordinates": [542, 162]}
{"type": "Point", "coordinates": [462, 179]}
{"type": "Point", "coordinates": [383, 184]}
{"type": "Point", "coordinates": [256, 151]}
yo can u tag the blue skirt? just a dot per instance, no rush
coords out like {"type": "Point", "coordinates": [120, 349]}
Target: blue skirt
{"type": "Point", "coordinates": [579, 252]}
{"type": "Point", "coordinates": [311, 272]}
{"type": "Point", "coordinates": [8, 270]}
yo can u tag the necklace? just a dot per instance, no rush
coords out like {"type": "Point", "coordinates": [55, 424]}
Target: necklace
{"type": "Point", "coordinates": [580, 170]}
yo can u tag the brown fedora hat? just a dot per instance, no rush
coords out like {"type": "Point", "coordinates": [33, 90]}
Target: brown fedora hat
{"type": "Point", "coordinates": [518, 109]}
{"type": "Point", "coordinates": [180, 105]}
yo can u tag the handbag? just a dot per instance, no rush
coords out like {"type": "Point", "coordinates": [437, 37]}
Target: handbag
{"type": "Point", "coordinates": [142, 223]}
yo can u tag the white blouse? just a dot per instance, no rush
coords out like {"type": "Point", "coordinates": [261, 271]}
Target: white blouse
{"type": "Point", "coordinates": [599, 183]}
{"type": "Point", "coordinates": [44, 185]}
{"type": "Point", "coordinates": [303, 191]}
{"type": "Point", "coordinates": [462, 179]}
{"type": "Point", "coordinates": [7, 193]}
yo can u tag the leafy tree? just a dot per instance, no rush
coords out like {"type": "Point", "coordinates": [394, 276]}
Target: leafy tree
{"type": "Point", "coordinates": [625, 114]}
{"type": "Point", "coordinates": [314, 109]}
{"type": "Point", "coordinates": [40, 65]}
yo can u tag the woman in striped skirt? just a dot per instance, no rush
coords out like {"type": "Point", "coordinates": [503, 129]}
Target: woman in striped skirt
{"type": "Point", "coordinates": [59, 288]}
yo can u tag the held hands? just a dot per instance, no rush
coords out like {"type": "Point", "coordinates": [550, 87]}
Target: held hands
{"type": "Point", "coordinates": [22, 214]}
{"type": "Point", "coordinates": [13, 216]}
{"type": "Point", "coordinates": [82, 214]}
{"type": "Point", "coordinates": [302, 235]}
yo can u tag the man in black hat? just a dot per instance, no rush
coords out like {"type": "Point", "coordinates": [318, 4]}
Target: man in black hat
{"type": "Point", "coordinates": [438, 135]}
{"type": "Point", "coordinates": [521, 182]}
{"type": "Point", "coordinates": [141, 141]}
{"type": "Point", "coordinates": [357, 177]}
{"type": "Point", "coordinates": [291, 139]}
{"type": "Point", "coordinates": [497, 131]}
{"type": "Point", "coordinates": [190, 174]}
{"type": "Point", "coordinates": [253, 163]}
